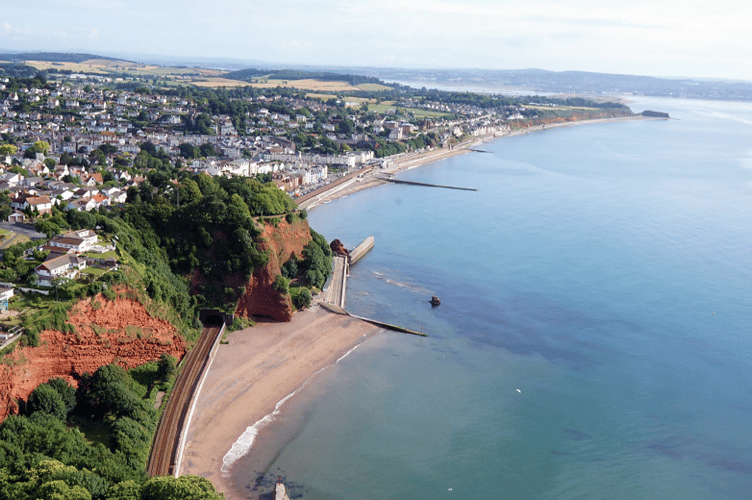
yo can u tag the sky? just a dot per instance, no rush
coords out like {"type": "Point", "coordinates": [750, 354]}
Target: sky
{"type": "Point", "coordinates": [687, 38]}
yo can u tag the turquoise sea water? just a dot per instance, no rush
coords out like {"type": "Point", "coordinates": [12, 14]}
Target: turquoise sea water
{"type": "Point", "coordinates": [593, 340]}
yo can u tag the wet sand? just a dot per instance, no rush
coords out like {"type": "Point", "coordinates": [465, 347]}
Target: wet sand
{"type": "Point", "coordinates": [249, 376]}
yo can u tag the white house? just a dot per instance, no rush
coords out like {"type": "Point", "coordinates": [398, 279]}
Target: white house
{"type": "Point", "coordinates": [5, 295]}
{"type": "Point", "coordinates": [80, 241]}
{"type": "Point", "coordinates": [64, 266]}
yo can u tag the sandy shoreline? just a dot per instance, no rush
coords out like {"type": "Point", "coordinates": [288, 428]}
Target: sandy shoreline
{"type": "Point", "coordinates": [260, 367]}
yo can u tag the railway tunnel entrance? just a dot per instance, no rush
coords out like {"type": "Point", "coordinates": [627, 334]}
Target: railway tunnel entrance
{"type": "Point", "coordinates": [215, 317]}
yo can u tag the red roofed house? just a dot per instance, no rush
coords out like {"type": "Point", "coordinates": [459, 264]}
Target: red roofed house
{"type": "Point", "coordinates": [101, 200]}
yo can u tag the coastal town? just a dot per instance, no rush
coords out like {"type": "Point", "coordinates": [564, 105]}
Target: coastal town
{"type": "Point", "coordinates": [78, 143]}
{"type": "Point", "coordinates": [143, 220]}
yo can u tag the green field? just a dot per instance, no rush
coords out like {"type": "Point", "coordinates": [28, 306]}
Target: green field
{"type": "Point", "coordinates": [383, 108]}
{"type": "Point", "coordinates": [373, 87]}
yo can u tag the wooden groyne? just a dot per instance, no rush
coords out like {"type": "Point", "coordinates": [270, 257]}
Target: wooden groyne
{"type": "Point", "coordinates": [414, 183]}
{"type": "Point", "coordinates": [362, 249]}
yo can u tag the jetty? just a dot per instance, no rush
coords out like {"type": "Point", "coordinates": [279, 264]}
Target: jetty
{"type": "Point", "coordinates": [361, 250]}
{"type": "Point", "coordinates": [336, 291]}
{"type": "Point", "coordinates": [414, 183]}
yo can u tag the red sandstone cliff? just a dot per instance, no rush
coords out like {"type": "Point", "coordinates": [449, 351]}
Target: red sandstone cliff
{"type": "Point", "coordinates": [593, 114]}
{"type": "Point", "coordinates": [260, 298]}
{"type": "Point", "coordinates": [119, 331]}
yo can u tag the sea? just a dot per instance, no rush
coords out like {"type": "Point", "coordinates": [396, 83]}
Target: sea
{"type": "Point", "coordinates": [594, 338]}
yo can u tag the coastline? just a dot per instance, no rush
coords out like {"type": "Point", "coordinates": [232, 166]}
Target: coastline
{"type": "Point", "coordinates": [251, 377]}
{"type": "Point", "coordinates": [265, 365]}
{"type": "Point", "coordinates": [413, 160]}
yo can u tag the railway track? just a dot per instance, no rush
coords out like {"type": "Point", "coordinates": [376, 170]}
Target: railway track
{"type": "Point", "coordinates": [164, 450]}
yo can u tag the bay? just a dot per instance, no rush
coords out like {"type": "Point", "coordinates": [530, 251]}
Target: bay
{"type": "Point", "coordinates": [593, 339]}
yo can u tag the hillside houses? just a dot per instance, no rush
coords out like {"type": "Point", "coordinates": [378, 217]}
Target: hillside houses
{"type": "Point", "coordinates": [63, 266]}
{"type": "Point", "coordinates": [300, 140]}
{"type": "Point", "coordinates": [78, 241]}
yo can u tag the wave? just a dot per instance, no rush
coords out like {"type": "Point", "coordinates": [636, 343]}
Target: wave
{"type": "Point", "coordinates": [347, 353]}
{"type": "Point", "coordinates": [246, 440]}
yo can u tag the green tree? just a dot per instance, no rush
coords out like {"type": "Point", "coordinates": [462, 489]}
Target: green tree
{"type": "Point", "coordinates": [207, 149]}
{"type": "Point", "coordinates": [97, 157]}
{"type": "Point", "coordinates": [189, 150]}
{"type": "Point", "coordinates": [108, 149]}
{"type": "Point", "coordinates": [149, 147]}
{"type": "Point", "coordinates": [7, 149]}
{"type": "Point", "coordinates": [46, 399]}
{"type": "Point", "coordinates": [189, 192]}
{"type": "Point", "coordinates": [42, 147]}
{"type": "Point", "coordinates": [166, 367]}
{"type": "Point", "coordinates": [126, 490]}
{"type": "Point", "coordinates": [183, 487]}
{"type": "Point", "coordinates": [281, 284]}
{"type": "Point", "coordinates": [47, 227]}
{"type": "Point", "coordinates": [302, 299]}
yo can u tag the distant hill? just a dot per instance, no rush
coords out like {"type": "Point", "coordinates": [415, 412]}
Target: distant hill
{"type": "Point", "coordinates": [579, 82]}
{"type": "Point", "coordinates": [52, 57]}
{"type": "Point", "coordinates": [292, 74]}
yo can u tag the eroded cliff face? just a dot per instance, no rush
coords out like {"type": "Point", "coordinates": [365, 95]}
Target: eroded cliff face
{"type": "Point", "coordinates": [119, 331]}
{"type": "Point", "coordinates": [260, 299]}
{"type": "Point", "coordinates": [593, 114]}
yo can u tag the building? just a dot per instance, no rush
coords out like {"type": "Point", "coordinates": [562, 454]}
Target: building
{"type": "Point", "coordinates": [64, 266]}
{"type": "Point", "coordinates": [5, 295]}
{"type": "Point", "coordinates": [79, 241]}
{"type": "Point", "coordinates": [16, 217]}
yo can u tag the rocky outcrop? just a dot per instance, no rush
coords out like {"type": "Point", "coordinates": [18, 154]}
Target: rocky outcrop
{"type": "Point", "coordinates": [338, 248]}
{"type": "Point", "coordinates": [119, 331]}
{"type": "Point", "coordinates": [260, 299]}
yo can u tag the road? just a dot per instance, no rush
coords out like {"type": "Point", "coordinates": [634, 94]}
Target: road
{"type": "Point", "coordinates": [164, 451]}
{"type": "Point", "coordinates": [29, 233]}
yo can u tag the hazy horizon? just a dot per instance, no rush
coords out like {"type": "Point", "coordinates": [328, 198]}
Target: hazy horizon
{"type": "Point", "coordinates": [640, 38]}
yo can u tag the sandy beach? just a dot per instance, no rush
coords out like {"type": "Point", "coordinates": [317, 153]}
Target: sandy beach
{"type": "Point", "coordinates": [258, 368]}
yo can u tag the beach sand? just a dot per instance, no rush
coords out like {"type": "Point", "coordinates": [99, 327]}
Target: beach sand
{"type": "Point", "coordinates": [256, 370]}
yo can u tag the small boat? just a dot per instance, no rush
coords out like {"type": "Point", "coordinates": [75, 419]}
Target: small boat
{"type": "Point", "coordinates": [435, 301]}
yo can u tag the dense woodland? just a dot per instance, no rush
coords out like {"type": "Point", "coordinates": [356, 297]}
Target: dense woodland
{"type": "Point", "coordinates": [45, 455]}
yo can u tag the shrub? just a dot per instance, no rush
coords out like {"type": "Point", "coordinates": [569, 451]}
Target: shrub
{"type": "Point", "coordinates": [281, 284]}
{"type": "Point", "coordinates": [301, 298]}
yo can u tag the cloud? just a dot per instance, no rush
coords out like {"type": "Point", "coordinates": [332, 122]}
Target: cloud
{"type": "Point", "coordinates": [94, 34]}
